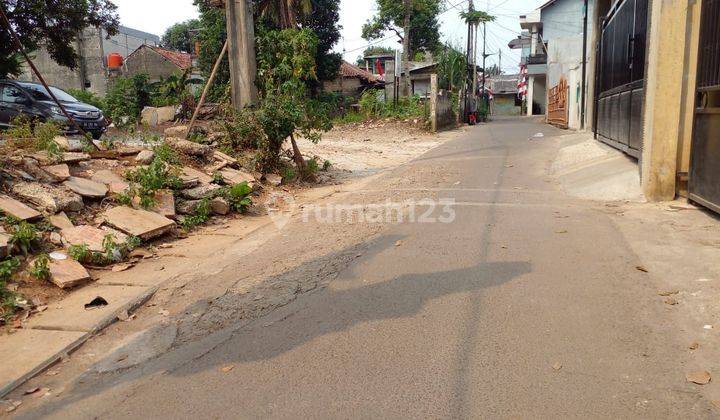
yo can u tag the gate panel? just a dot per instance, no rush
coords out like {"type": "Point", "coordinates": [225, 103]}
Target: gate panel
{"type": "Point", "coordinates": [704, 183]}
{"type": "Point", "coordinates": [621, 76]}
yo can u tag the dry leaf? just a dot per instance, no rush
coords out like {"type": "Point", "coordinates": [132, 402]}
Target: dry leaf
{"type": "Point", "coordinates": [669, 292]}
{"type": "Point", "coordinates": [561, 231]}
{"type": "Point", "coordinates": [398, 243]}
{"type": "Point", "coordinates": [228, 368]}
{"type": "Point", "coordinates": [671, 301]}
{"type": "Point", "coordinates": [557, 366]}
{"type": "Point", "coordinates": [641, 268]}
{"type": "Point", "coordinates": [701, 377]}
{"type": "Point", "coordinates": [32, 390]}
{"type": "Point", "coordinates": [122, 267]}
{"type": "Point", "coordinates": [694, 345]}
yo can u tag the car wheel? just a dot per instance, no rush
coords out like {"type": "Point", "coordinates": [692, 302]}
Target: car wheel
{"type": "Point", "coordinates": [96, 135]}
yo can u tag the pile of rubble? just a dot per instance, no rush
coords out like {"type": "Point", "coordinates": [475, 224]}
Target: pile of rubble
{"type": "Point", "coordinates": [74, 193]}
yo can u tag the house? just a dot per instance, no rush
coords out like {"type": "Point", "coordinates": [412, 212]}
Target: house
{"type": "Point", "coordinates": [157, 63]}
{"type": "Point", "coordinates": [505, 94]}
{"type": "Point", "coordinates": [92, 46]}
{"type": "Point", "coordinates": [352, 81]}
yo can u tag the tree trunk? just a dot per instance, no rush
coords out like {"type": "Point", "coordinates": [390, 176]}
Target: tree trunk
{"type": "Point", "coordinates": [298, 158]}
{"type": "Point", "coordinates": [406, 47]}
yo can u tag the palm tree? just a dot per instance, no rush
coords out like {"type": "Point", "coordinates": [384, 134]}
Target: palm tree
{"type": "Point", "coordinates": [284, 13]}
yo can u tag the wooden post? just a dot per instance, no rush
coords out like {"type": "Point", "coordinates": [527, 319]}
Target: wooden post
{"type": "Point", "coordinates": [208, 84]}
{"type": "Point", "coordinates": [241, 52]}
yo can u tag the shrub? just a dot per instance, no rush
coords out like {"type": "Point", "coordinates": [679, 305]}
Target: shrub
{"type": "Point", "coordinates": [23, 237]}
{"type": "Point", "coordinates": [126, 98]}
{"type": "Point", "coordinates": [80, 252]}
{"type": "Point", "coordinates": [202, 215]}
{"type": "Point", "coordinates": [41, 269]}
{"type": "Point", "coordinates": [372, 106]}
{"type": "Point", "coordinates": [7, 297]}
{"type": "Point", "coordinates": [160, 174]}
{"type": "Point", "coordinates": [239, 196]}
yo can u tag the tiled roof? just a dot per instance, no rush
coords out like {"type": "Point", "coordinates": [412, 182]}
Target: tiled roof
{"type": "Point", "coordinates": [349, 70]}
{"type": "Point", "coordinates": [180, 59]}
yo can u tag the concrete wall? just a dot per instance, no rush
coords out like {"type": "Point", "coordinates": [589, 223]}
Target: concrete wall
{"type": "Point", "coordinates": [441, 113]}
{"type": "Point", "coordinates": [563, 31]}
{"type": "Point", "coordinates": [93, 47]}
{"type": "Point", "coordinates": [504, 105]}
{"type": "Point", "coordinates": [151, 63]}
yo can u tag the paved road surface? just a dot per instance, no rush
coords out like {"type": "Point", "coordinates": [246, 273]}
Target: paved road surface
{"type": "Point", "coordinates": [527, 305]}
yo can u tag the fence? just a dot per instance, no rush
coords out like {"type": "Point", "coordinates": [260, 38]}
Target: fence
{"type": "Point", "coordinates": [558, 104]}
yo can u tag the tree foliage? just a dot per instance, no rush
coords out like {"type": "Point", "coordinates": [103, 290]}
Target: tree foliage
{"type": "Point", "coordinates": [452, 68]}
{"type": "Point", "coordinates": [54, 24]}
{"type": "Point", "coordinates": [476, 17]}
{"type": "Point", "coordinates": [178, 36]}
{"type": "Point", "coordinates": [424, 25]}
{"type": "Point", "coordinates": [212, 37]}
{"type": "Point", "coordinates": [323, 21]}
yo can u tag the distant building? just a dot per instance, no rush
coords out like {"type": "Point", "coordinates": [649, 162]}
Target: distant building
{"type": "Point", "coordinates": [93, 47]}
{"type": "Point", "coordinates": [352, 81]}
{"type": "Point", "coordinates": [504, 91]}
{"type": "Point", "coordinates": [157, 63]}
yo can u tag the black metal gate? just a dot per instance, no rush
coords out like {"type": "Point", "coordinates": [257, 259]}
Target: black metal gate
{"type": "Point", "coordinates": [704, 183]}
{"type": "Point", "coordinates": [620, 76]}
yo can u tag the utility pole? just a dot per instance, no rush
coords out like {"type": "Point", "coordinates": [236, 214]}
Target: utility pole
{"type": "Point", "coordinates": [484, 57]}
{"type": "Point", "coordinates": [241, 52]}
{"type": "Point", "coordinates": [406, 47]}
{"type": "Point", "coordinates": [474, 59]}
{"type": "Point", "coordinates": [583, 88]}
{"type": "Point", "coordinates": [469, 88]}
{"type": "Point", "coordinates": [499, 61]}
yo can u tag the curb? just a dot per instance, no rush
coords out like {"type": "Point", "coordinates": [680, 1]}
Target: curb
{"type": "Point", "coordinates": [63, 348]}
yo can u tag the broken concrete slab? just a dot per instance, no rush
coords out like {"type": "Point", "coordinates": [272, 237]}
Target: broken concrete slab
{"type": "Point", "coordinates": [141, 223]}
{"type": "Point", "coordinates": [69, 144]}
{"type": "Point", "coordinates": [115, 183]}
{"type": "Point", "coordinates": [4, 239]}
{"type": "Point", "coordinates": [17, 209]}
{"type": "Point", "coordinates": [188, 206]}
{"type": "Point", "coordinates": [219, 206]}
{"type": "Point", "coordinates": [177, 131]}
{"type": "Point", "coordinates": [233, 176]}
{"type": "Point", "coordinates": [70, 314]}
{"type": "Point", "coordinates": [86, 187]}
{"type": "Point", "coordinates": [153, 116]}
{"type": "Point", "coordinates": [59, 172]}
{"type": "Point", "coordinates": [51, 199]}
{"type": "Point", "coordinates": [61, 221]}
{"type": "Point", "coordinates": [90, 236]}
{"type": "Point", "coordinates": [145, 157]}
{"type": "Point", "coordinates": [68, 157]}
{"type": "Point", "coordinates": [273, 179]}
{"type": "Point", "coordinates": [202, 177]}
{"type": "Point", "coordinates": [189, 147]}
{"type": "Point", "coordinates": [32, 351]}
{"type": "Point", "coordinates": [67, 273]}
{"type": "Point", "coordinates": [201, 191]}
{"type": "Point", "coordinates": [32, 168]}
{"type": "Point", "coordinates": [164, 203]}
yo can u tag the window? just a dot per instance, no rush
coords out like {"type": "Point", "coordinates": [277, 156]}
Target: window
{"type": "Point", "coordinates": [11, 94]}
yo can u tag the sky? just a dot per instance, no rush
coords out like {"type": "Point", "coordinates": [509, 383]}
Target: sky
{"type": "Point", "coordinates": [155, 16]}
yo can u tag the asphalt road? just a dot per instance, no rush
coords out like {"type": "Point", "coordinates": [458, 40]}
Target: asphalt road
{"type": "Point", "coordinates": [526, 305]}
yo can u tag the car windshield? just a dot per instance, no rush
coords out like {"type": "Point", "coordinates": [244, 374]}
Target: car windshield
{"type": "Point", "coordinates": [41, 94]}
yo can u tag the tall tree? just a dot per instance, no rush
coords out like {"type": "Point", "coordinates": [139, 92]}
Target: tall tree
{"type": "Point", "coordinates": [324, 22]}
{"type": "Point", "coordinates": [284, 13]}
{"type": "Point", "coordinates": [212, 36]}
{"type": "Point", "coordinates": [424, 25]}
{"type": "Point", "coordinates": [53, 24]}
{"type": "Point", "coordinates": [178, 37]}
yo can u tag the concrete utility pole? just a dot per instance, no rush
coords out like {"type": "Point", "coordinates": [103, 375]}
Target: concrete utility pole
{"type": "Point", "coordinates": [484, 57]}
{"type": "Point", "coordinates": [406, 47]}
{"type": "Point", "coordinates": [241, 52]}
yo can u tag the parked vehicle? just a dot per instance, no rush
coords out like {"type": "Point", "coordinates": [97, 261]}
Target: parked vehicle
{"type": "Point", "coordinates": [32, 99]}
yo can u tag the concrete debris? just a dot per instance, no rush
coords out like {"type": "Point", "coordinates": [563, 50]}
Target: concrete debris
{"type": "Point", "coordinates": [701, 377]}
{"type": "Point", "coordinates": [233, 176]}
{"type": "Point", "coordinates": [273, 179]}
{"type": "Point", "coordinates": [189, 148]}
{"type": "Point", "coordinates": [59, 172]}
{"type": "Point", "coordinates": [218, 155]}
{"type": "Point", "coordinates": [56, 239]}
{"type": "Point", "coordinates": [68, 157]}
{"type": "Point", "coordinates": [115, 183]}
{"type": "Point", "coordinates": [91, 236]}
{"type": "Point", "coordinates": [17, 209]}
{"type": "Point", "coordinates": [86, 187]}
{"type": "Point", "coordinates": [4, 239]}
{"type": "Point", "coordinates": [164, 203]}
{"type": "Point", "coordinates": [67, 273]}
{"type": "Point", "coordinates": [188, 206]}
{"type": "Point", "coordinates": [69, 144]}
{"type": "Point", "coordinates": [141, 223]}
{"type": "Point", "coordinates": [219, 206]}
{"type": "Point", "coordinates": [33, 169]}
{"type": "Point", "coordinates": [155, 116]}
{"type": "Point", "coordinates": [200, 177]}
{"type": "Point", "coordinates": [49, 199]}
{"type": "Point", "coordinates": [177, 131]}
{"type": "Point", "coordinates": [200, 192]}
{"type": "Point", "coordinates": [61, 221]}
{"type": "Point", "coordinates": [145, 157]}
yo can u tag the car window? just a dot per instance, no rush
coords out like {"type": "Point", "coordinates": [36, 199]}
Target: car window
{"type": "Point", "coordinates": [11, 94]}
{"type": "Point", "coordinates": [41, 94]}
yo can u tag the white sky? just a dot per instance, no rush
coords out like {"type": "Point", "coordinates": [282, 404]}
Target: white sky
{"type": "Point", "coordinates": [155, 16]}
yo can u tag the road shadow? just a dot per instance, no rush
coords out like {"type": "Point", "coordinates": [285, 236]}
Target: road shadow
{"type": "Point", "coordinates": [262, 329]}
